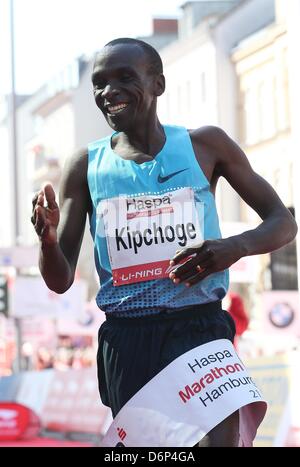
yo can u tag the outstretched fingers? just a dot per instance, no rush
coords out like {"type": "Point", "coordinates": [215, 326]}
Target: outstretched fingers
{"type": "Point", "coordinates": [37, 200]}
{"type": "Point", "coordinates": [34, 201]}
{"type": "Point", "coordinates": [45, 214]}
{"type": "Point", "coordinates": [40, 220]}
{"type": "Point", "coordinates": [50, 196]}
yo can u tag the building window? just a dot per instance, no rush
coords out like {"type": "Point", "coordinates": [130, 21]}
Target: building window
{"type": "Point", "coordinates": [267, 111]}
{"type": "Point", "coordinates": [203, 87]}
{"type": "Point", "coordinates": [188, 97]}
{"type": "Point", "coordinates": [283, 266]}
{"type": "Point", "coordinates": [179, 101]}
{"type": "Point", "coordinates": [251, 116]}
{"type": "Point", "coordinates": [286, 96]}
{"type": "Point", "coordinates": [260, 112]}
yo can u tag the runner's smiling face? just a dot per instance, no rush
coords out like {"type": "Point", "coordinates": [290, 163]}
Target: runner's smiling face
{"type": "Point", "coordinates": [124, 89]}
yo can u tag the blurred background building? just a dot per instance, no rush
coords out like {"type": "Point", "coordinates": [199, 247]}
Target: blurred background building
{"type": "Point", "coordinates": [227, 63]}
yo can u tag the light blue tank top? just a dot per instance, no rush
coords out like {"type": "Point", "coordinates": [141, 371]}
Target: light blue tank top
{"type": "Point", "coordinates": [110, 176]}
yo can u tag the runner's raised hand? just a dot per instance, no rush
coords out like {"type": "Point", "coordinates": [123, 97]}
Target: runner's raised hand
{"type": "Point", "coordinates": [45, 215]}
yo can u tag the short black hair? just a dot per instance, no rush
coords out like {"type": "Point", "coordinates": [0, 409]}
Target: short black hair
{"type": "Point", "coordinates": [155, 62]}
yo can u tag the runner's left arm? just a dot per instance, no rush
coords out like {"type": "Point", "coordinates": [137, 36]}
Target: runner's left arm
{"type": "Point", "coordinates": [278, 226]}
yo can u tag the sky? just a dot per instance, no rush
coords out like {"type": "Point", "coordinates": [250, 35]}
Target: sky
{"type": "Point", "coordinates": [50, 33]}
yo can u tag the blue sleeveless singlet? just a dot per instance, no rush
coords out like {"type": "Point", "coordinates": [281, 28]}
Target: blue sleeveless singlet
{"type": "Point", "coordinates": [110, 176]}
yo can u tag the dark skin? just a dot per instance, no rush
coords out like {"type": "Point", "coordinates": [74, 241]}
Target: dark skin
{"type": "Point", "coordinates": [126, 93]}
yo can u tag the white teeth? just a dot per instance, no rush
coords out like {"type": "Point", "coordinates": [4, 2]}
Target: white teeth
{"type": "Point", "coordinates": [116, 108]}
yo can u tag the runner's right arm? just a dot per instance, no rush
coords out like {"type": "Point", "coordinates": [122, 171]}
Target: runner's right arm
{"type": "Point", "coordinates": [61, 229]}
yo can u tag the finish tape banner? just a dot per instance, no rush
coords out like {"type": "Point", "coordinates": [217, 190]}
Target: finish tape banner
{"type": "Point", "coordinates": [188, 398]}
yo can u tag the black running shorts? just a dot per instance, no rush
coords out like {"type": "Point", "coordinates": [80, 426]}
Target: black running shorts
{"type": "Point", "coordinates": [133, 350]}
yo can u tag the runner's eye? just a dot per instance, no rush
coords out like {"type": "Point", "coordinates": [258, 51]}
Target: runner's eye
{"type": "Point", "coordinates": [126, 78]}
{"type": "Point", "coordinates": [99, 85]}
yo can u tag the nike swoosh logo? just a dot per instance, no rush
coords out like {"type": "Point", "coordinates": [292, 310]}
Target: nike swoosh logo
{"type": "Point", "coordinates": [161, 179]}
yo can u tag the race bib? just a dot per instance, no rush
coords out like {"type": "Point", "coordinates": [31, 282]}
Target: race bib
{"type": "Point", "coordinates": [144, 232]}
{"type": "Point", "coordinates": [188, 398]}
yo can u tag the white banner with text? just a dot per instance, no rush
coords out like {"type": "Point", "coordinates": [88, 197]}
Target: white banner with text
{"type": "Point", "coordinates": [188, 398]}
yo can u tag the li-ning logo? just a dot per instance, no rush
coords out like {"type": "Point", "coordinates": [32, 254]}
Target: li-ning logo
{"type": "Point", "coordinates": [161, 179]}
{"type": "Point", "coordinates": [141, 274]}
{"type": "Point", "coordinates": [121, 433]}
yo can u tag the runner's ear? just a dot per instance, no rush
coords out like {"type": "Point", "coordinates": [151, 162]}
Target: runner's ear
{"type": "Point", "coordinates": [160, 85]}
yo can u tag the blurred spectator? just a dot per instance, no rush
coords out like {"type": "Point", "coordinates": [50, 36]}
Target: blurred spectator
{"type": "Point", "coordinates": [77, 363]}
{"type": "Point", "coordinates": [237, 311]}
{"type": "Point", "coordinates": [88, 357]}
{"type": "Point", "coordinates": [63, 359]}
{"type": "Point", "coordinates": [44, 359]}
{"type": "Point", "coordinates": [70, 353]}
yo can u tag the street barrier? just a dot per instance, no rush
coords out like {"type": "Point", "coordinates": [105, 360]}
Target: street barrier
{"type": "Point", "coordinates": [18, 422]}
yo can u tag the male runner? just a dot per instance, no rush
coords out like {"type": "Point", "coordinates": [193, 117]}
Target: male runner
{"type": "Point", "coordinates": [152, 321]}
